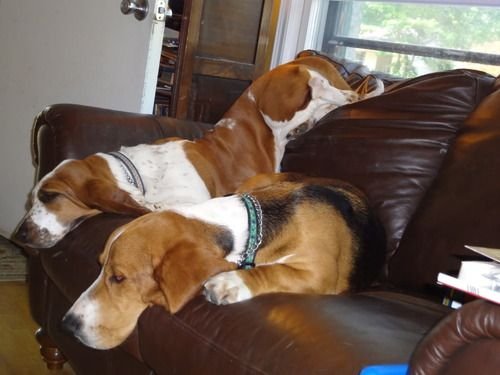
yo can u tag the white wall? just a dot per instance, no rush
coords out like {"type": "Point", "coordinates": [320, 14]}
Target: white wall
{"type": "Point", "coordinates": [55, 51]}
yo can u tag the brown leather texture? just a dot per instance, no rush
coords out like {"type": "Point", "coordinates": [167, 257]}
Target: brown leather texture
{"type": "Point", "coordinates": [424, 152]}
{"type": "Point", "coordinates": [462, 206]}
{"type": "Point", "coordinates": [287, 334]}
{"type": "Point", "coordinates": [466, 342]}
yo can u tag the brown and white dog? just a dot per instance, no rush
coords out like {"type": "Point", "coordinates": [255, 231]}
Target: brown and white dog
{"type": "Point", "coordinates": [296, 235]}
{"type": "Point", "coordinates": [249, 139]}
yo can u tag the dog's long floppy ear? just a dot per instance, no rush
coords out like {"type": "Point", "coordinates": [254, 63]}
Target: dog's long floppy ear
{"type": "Point", "coordinates": [290, 85]}
{"type": "Point", "coordinates": [184, 269]}
{"type": "Point", "coordinates": [107, 197]}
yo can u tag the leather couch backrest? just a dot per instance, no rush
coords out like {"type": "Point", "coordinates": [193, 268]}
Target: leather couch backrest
{"type": "Point", "coordinates": [462, 207]}
{"type": "Point", "coordinates": [69, 131]}
{"type": "Point", "coordinates": [392, 146]}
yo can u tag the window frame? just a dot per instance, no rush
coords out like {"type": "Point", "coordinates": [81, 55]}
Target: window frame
{"type": "Point", "coordinates": [302, 23]}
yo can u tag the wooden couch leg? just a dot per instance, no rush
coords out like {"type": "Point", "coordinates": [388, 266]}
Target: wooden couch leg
{"type": "Point", "coordinates": [52, 356]}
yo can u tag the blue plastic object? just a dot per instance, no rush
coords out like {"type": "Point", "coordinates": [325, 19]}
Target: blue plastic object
{"type": "Point", "coordinates": [385, 370]}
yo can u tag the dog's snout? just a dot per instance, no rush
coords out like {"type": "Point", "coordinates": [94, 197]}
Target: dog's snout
{"type": "Point", "coordinates": [21, 234]}
{"type": "Point", "coordinates": [71, 323]}
{"type": "Point", "coordinates": [28, 234]}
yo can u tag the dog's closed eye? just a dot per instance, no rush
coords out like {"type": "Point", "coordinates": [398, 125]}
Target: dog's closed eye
{"type": "Point", "coordinates": [116, 279]}
{"type": "Point", "coordinates": [47, 196]}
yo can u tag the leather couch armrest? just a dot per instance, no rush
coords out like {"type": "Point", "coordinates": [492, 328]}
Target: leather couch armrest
{"type": "Point", "coordinates": [64, 131]}
{"type": "Point", "coordinates": [465, 342]}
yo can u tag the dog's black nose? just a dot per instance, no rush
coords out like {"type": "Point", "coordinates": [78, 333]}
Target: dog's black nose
{"type": "Point", "coordinates": [21, 234]}
{"type": "Point", "coordinates": [71, 323]}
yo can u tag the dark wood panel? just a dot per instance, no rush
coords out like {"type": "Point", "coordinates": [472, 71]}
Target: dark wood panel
{"type": "Point", "coordinates": [211, 97]}
{"type": "Point", "coordinates": [223, 39]}
{"type": "Point", "coordinates": [230, 29]}
{"type": "Point", "coordinates": [223, 68]}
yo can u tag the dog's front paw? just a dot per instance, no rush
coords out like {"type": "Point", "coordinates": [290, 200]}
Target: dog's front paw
{"type": "Point", "coordinates": [226, 288]}
{"type": "Point", "coordinates": [350, 96]}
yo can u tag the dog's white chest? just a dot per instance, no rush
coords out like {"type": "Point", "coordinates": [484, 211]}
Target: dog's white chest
{"type": "Point", "coordinates": [168, 176]}
{"type": "Point", "coordinates": [228, 212]}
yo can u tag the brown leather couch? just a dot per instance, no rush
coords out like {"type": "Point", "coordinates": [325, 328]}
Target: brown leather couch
{"type": "Point", "coordinates": [427, 153]}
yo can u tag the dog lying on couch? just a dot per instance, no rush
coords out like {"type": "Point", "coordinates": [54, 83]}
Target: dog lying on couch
{"type": "Point", "coordinates": [286, 234]}
{"type": "Point", "coordinates": [277, 107]}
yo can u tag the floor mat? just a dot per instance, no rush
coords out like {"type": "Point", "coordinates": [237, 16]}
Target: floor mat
{"type": "Point", "coordinates": [12, 261]}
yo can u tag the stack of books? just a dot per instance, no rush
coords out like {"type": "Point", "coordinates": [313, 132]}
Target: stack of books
{"type": "Point", "coordinates": [479, 278]}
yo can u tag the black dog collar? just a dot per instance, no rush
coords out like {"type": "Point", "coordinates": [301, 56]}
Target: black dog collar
{"type": "Point", "coordinates": [133, 176]}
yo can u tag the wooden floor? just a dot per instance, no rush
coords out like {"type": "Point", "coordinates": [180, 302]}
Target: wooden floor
{"type": "Point", "coordinates": [19, 353]}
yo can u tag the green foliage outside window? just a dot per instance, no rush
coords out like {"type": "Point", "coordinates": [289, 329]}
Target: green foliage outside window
{"type": "Point", "coordinates": [465, 28]}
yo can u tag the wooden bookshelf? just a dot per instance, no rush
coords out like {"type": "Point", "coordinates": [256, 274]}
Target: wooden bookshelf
{"type": "Point", "coordinates": [166, 76]}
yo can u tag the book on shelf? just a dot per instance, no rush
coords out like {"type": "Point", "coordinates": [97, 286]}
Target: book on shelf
{"type": "Point", "coordinates": [162, 92]}
{"type": "Point", "coordinates": [479, 278]}
{"type": "Point", "coordinates": [171, 43]}
{"type": "Point", "coordinates": [166, 62]}
{"type": "Point", "coordinates": [166, 80]}
{"type": "Point", "coordinates": [168, 57]}
{"type": "Point", "coordinates": [172, 54]}
{"type": "Point", "coordinates": [161, 109]}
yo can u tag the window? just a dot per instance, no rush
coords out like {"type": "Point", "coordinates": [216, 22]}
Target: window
{"type": "Point", "coordinates": [407, 38]}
